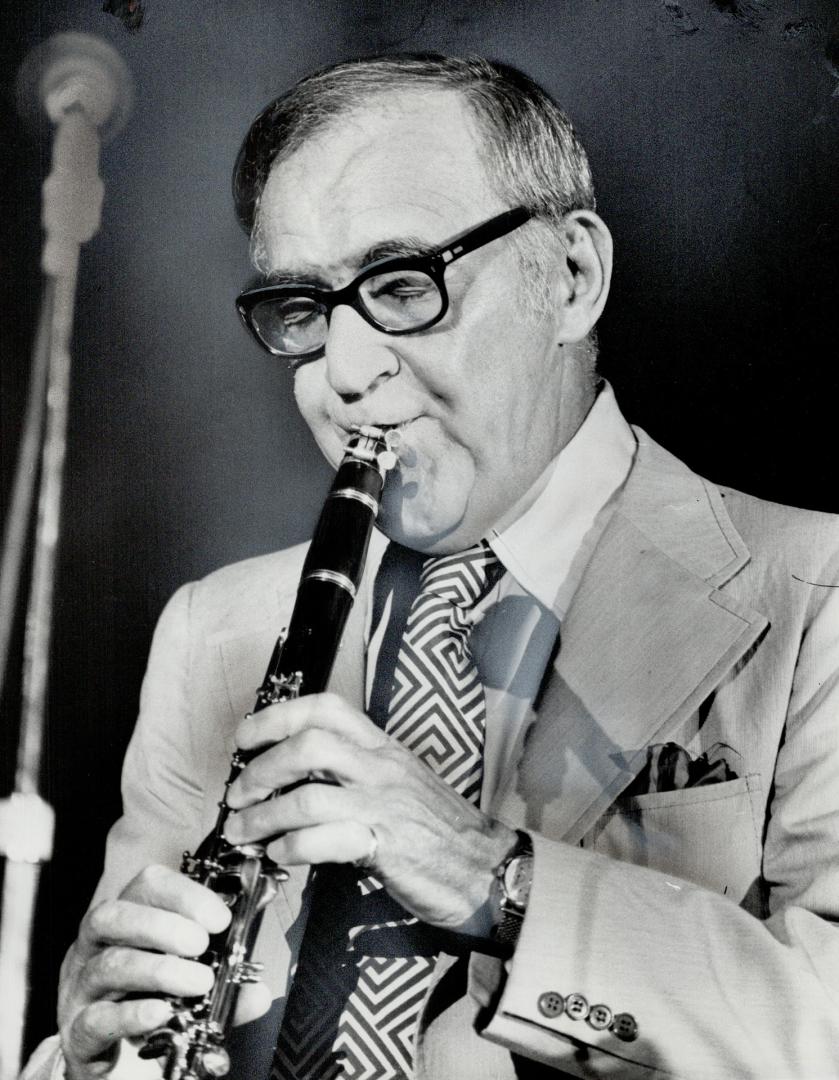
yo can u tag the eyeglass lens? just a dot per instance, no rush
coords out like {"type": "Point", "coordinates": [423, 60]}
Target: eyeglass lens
{"type": "Point", "coordinates": [396, 300]}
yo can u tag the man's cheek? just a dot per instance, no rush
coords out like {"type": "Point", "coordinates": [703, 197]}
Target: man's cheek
{"type": "Point", "coordinates": [310, 392]}
{"type": "Point", "coordinates": [317, 420]}
{"type": "Point", "coordinates": [428, 494]}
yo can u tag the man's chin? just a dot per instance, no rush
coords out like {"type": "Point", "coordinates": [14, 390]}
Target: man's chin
{"type": "Point", "coordinates": [426, 501]}
{"type": "Point", "coordinates": [432, 535]}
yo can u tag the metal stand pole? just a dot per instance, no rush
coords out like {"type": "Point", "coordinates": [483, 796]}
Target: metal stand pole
{"type": "Point", "coordinates": [79, 85]}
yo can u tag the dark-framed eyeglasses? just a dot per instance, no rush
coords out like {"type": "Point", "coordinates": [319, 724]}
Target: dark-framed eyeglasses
{"type": "Point", "coordinates": [399, 294]}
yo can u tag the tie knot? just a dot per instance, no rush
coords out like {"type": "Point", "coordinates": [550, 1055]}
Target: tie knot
{"type": "Point", "coordinates": [461, 578]}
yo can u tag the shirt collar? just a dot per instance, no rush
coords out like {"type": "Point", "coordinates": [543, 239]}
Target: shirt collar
{"type": "Point", "coordinates": [541, 548]}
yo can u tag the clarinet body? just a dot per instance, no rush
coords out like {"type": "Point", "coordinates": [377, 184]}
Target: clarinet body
{"type": "Point", "coordinates": [192, 1044]}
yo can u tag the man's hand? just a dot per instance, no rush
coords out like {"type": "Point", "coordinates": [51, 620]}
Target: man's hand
{"type": "Point", "coordinates": [141, 944]}
{"type": "Point", "coordinates": [435, 851]}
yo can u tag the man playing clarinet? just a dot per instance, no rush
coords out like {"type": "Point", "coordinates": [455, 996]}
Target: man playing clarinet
{"type": "Point", "coordinates": [568, 806]}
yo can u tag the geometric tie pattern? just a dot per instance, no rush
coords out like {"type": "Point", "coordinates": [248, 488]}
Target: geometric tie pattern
{"type": "Point", "coordinates": [437, 706]}
{"type": "Point", "coordinates": [365, 963]}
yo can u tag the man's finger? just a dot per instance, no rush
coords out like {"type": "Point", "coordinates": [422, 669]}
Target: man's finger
{"type": "Point", "coordinates": [96, 1028]}
{"type": "Point", "coordinates": [309, 804]}
{"type": "Point", "coordinates": [117, 970]}
{"type": "Point", "coordinates": [124, 922]}
{"type": "Point", "coordinates": [296, 758]}
{"type": "Point", "coordinates": [254, 1001]}
{"type": "Point", "coordinates": [162, 887]}
{"type": "Point", "coordinates": [100, 1025]}
{"type": "Point", "coordinates": [336, 842]}
{"type": "Point", "coordinates": [327, 711]}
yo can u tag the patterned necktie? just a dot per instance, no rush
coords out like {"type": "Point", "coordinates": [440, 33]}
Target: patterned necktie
{"type": "Point", "coordinates": [365, 963]}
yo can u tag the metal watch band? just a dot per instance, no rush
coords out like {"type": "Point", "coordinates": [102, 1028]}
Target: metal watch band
{"type": "Point", "coordinates": [506, 933]}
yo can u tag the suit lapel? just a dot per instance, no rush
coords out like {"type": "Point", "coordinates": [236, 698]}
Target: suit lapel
{"type": "Point", "coordinates": [647, 637]}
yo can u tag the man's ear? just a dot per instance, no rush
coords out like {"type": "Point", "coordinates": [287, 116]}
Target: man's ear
{"type": "Point", "coordinates": [586, 273]}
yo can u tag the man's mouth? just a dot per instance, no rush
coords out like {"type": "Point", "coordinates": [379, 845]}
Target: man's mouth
{"type": "Point", "coordinates": [380, 425]}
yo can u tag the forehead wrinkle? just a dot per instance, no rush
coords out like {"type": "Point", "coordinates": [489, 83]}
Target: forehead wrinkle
{"type": "Point", "coordinates": [379, 158]}
{"type": "Point", "coordinates": [382, 131]}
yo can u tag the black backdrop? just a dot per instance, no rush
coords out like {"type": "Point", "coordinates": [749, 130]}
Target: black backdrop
{"type": "Point", "coordinates": [712, 128]}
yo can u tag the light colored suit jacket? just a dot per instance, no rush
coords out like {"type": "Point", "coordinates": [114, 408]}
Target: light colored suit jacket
{"type": "Point", "coordinates": [704, 617]}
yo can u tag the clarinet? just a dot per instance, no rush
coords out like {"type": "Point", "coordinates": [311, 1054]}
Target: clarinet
{"type": "Point", "coordinates": [192, 1043]}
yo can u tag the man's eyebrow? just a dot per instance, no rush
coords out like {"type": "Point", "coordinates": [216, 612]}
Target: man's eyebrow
{"type": "Point", "coordinates": [401, 247]}
{"type": "Point", "coordinates": [290, 277]}
{"type": "Point", "coordinates": [406, 246]}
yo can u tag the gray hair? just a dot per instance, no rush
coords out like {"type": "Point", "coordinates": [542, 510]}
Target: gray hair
{"type": "Point", "coordinates": [531, 152]}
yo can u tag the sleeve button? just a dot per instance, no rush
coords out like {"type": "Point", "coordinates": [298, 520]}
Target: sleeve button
{"type": "Point", "coordinates": [624, 1027]}
{"type": "Point", "coordinates": [576, 1007]}
{"type": "Point", "coordinates": [600, 1017]}
{"type": "Point", "coordinates": [551, 1004]}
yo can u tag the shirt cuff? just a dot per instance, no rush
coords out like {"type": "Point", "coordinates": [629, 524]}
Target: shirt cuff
{"type": "Point", "coordinates": [46, 1063]}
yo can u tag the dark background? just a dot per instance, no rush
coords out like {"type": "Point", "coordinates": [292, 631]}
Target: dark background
{"type": "Point", "coordinates": [712, 129]}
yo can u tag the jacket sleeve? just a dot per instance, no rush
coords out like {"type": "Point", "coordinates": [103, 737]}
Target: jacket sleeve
{"type": "Point", "coordinates": [163, 770]}
{"type": "Point", "coordinates": [714, 990]}
{"type": "Point", "coordinates": [161, 795]}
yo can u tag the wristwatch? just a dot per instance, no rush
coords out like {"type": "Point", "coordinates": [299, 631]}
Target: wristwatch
{"type": "Point", "coordinates": [514, 876]}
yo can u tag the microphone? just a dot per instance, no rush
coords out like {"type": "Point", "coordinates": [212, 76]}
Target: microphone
{"type": "Point", "coordinates": [75, 71]}
{"type": "Point", "coordinates": [84, 86]}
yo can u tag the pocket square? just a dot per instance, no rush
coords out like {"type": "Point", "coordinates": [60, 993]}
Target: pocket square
{"type": "Point", "coordinates": [669, 767]}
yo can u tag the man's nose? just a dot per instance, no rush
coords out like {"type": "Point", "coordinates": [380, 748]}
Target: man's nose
{"type": "Point", "coordinates": [358, 356]}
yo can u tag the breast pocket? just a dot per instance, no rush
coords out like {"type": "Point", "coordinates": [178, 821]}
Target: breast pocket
{"type": "Point", "coordinates": [709, 835]}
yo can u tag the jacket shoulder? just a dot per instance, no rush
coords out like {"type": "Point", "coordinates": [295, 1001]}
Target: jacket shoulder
{"type": "Point", "coordinates": [776, 537]}
{"type": "Point", "coordinates": [242, 596]}
{"type": "Point", "coordinates": [774, 530]}
{"type": "Point", "coordinates": [760, 522]}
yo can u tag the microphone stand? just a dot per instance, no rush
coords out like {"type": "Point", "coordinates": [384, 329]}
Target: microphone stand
{"type": "Point", "coordinates": [72, 202]}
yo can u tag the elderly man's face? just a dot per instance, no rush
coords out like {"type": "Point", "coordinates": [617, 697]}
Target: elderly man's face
{"type": "Point", "coordinates": [482, 398]}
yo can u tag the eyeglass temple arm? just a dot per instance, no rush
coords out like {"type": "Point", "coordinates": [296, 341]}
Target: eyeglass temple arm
{"type": "Point", "coordinates": [483, 234]}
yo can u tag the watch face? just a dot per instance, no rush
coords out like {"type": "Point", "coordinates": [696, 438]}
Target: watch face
{"type": "Point", "coordinates": [518, 877]}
